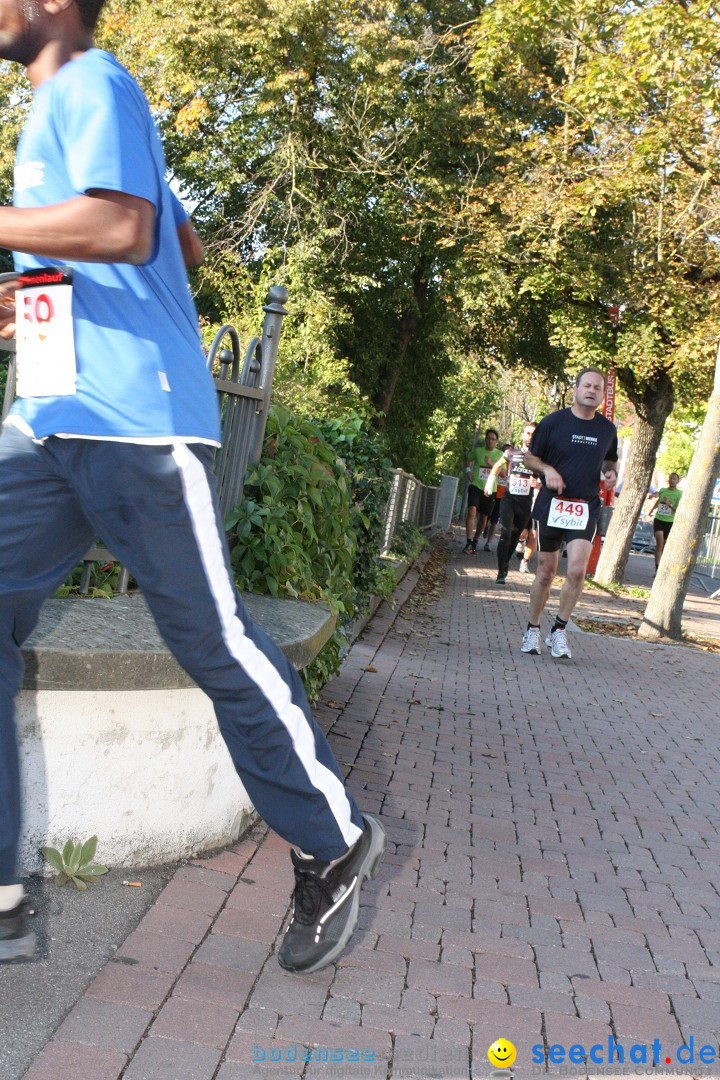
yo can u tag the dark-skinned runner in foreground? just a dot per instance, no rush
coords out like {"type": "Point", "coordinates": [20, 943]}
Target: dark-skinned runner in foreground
{"type": "Point", "coordinates": [113, 435]}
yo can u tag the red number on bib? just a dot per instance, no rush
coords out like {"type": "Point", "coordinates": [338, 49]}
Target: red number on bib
{"type": "Point", "coordinates": [38, 309]}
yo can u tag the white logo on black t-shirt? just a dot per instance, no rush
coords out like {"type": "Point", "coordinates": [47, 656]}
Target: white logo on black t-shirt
{"type": "Point", "coordinates": [586, 440]}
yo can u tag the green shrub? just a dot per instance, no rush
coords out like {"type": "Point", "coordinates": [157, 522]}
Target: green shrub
{"type": "Point", "coordinates": [103, 580]}
{"type": "Point", "coordinates": [368, 467]}
{"type": "Point", "coordinates": [408, 541]}
{"type": "Point", "coordinates": [295, 525]}
{"type": "Point", "coordinates": [310, 523]}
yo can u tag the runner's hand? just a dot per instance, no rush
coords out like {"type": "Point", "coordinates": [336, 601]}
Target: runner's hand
{"type": "Point", "coordinates": [553, 480]}
{"type": "Point", "coordinates": [7, 309]}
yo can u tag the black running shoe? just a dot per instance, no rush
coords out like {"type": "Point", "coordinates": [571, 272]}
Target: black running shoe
{"type": "Point", "coordinates": [326, 901]}
{"type": "Point", "coordinates": [17, 941]}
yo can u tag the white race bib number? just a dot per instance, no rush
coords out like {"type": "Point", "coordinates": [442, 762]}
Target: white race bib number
{"type": "Point", "coordinates": [568, 514]}
{"type": "Point", "coordinates": [483, 475]}
{"type": "Point", "coordinates": [519, 484]}
{"type": "Point", "coordinates": [46, 364]}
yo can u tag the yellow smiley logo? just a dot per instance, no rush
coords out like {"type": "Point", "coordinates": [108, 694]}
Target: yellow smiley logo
{"type": "Point", "coordinates": [502, 1053]}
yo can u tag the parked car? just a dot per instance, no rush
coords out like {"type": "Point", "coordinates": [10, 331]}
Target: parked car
{"type": "Point", "coordinates": [643, 537]}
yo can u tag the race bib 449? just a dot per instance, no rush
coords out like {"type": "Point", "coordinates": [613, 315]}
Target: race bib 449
{"type": "Point", "coordinates": [568, 514]}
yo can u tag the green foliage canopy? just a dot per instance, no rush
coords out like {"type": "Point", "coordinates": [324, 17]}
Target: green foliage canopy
{"type": "Point", "coordinates": [608, 191]}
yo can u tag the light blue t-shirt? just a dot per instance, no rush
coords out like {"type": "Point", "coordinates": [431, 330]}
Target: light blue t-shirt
{"type": "Point", "coordinates": [141, 373]}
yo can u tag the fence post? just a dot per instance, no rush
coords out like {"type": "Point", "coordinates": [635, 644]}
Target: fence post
{"type": "Point", "coordinates": [445, 505]}
{"type": "Point", "coordinates": [275, 312]}
{"type": "Point", "coordinates": [391, 510]}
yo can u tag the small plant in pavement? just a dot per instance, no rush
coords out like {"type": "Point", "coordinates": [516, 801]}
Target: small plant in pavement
{"type": "Point", "coordinates": [75, 863]}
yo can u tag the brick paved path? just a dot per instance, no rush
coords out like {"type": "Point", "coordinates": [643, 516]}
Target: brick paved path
{"type": "Point", "coordinates": [552, 873]}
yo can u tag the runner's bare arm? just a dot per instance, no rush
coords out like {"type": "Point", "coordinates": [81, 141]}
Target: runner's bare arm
{"type": "Point", "coordinates": [553, 479]}
{"type": "Point", "coordinates": [499, 467]}
{"type": "Point", "coordinates": [7, 309]}
{"type": "Point", "coordinates": [102, 226]}
{"type": "Point", "coordinates": [193, 251]}
{"type": "Point", "coordinates": [609, 470]}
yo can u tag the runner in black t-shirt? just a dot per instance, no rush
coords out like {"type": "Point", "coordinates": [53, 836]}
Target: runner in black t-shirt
{"type": "Point", "coordinates": [516, 505]}
{"type": "Point", "coordinates": [570, 449]}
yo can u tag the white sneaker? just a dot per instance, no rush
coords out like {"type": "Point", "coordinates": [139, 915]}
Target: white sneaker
{"type": "Point", "coordinates": [531, 641]}
{"type": "Point", "coordinates": [558, 645]}
{"type": "Point", "coordinates": [524, 568]}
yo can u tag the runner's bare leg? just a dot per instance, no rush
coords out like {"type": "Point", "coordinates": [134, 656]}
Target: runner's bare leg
{"type": "Point", "coordinates": [540, 591]}
{"type": "Point", "coordinates": [578, 553]}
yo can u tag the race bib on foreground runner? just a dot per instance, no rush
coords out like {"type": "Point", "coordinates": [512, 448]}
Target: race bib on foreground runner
{"type": "Point", "coordinates": [519, 484]}
{"type": "Point", "coordinates": [568, 514]}
{"type": "Point", "coordinates": [45, 343]}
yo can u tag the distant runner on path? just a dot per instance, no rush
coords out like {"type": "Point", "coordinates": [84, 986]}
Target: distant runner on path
{"type": "Point", "coordinates": [516, 505]}
{"type": "Point", "coordinates": [495, 485]}
{"type": "Point", "coordinates": [667, 500]}
{"type": "Point", "coordinates": [479, 508]}
{"type": "Point", "coordinates": [570, 449]}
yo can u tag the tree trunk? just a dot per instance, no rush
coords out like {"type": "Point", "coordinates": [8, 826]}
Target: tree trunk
{"type": "Point", "coordinates": [409, 321]}
{"type": "Point", "coordinates": [663, 615]}
{"type": "Point", "coordinates": [408, 325]}
{"type": "Point", "coordinates": [653, 406]}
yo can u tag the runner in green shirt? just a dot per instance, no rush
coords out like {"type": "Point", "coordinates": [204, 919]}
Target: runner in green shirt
{"type": "Point", "coordinates": [479, 505]}
{"type": "Point", "coordinates": [667, 500]}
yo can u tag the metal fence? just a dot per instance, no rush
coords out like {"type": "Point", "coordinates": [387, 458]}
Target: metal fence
{"type": "Point", "coordinates": [244, 397]}
{"type": "Point", "coordinates": [425, 506]}
{"type": "Point", "coordinates": [244, 400]}
{"type": "Point", "coordinates": [707, 567]}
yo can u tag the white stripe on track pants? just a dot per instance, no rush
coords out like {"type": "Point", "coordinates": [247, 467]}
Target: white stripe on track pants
{"type": "Point", "coordinates": [155, 508]}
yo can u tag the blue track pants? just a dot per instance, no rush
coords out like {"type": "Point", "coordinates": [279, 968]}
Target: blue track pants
{"type": "Point", "coordinates": [155, 508]}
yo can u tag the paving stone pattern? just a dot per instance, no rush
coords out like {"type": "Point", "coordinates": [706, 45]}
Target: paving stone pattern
{"type": "Point", "coordinates": [551, 877]}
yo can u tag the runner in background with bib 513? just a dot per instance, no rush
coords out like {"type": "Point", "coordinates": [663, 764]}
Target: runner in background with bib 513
{"type": "Point", "coordinates": [516, 505]}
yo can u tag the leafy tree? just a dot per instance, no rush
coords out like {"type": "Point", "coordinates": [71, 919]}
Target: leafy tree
{"type": "Point", "coordinates": [323, 144]}
{"type": "Point", "coordinates": [608, 194]}
{"type": "Point", "coordinates": [468, 403]}
{"type": "Point", "coordinates": [680, 437]}
{"type": "Point", "coordinates": [663, 614]}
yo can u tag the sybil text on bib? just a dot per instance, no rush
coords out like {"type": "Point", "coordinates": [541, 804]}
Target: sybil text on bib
{"type": "Point", "coordinates": [46, 365]}
{"type": "Point", "coordinates": [568, 514]}
{"type": "Point", "coordinates": [519, 484]}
